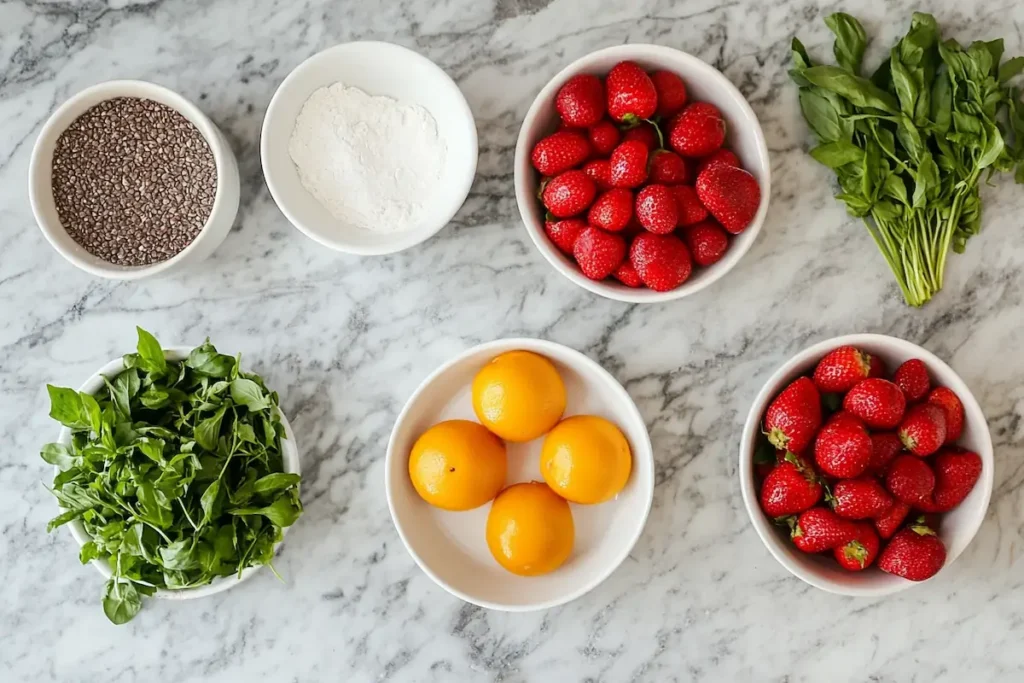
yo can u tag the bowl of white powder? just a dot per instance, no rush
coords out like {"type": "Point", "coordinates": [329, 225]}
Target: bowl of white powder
{"type": "Point", "coordinates": [368, 148]}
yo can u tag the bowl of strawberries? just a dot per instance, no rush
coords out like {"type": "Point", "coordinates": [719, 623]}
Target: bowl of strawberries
{"type": "Point", "coordinates": [642, 173]}
{"type": "Point", "coordinates": [866, 465]}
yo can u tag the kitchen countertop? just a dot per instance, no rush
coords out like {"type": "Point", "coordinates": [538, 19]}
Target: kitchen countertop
{"type": "Point", "coordinates": [345, 341]}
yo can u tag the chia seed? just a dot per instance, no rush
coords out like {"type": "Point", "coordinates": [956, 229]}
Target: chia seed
{"type": "Point", "coordinates": [133, 181]}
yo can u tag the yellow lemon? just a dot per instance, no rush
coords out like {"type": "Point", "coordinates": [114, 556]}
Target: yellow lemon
{"type": "Point", "coordinates": [519, 396]}
{"type": "Point", "coordinates": [586, 459]}
{"type": "Point", "coordinates": [530, 529]}
{"type": "Point", "coordinates": [457, 465]}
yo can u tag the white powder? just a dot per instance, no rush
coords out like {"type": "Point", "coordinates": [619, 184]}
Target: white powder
{"type": "Point", "coordinates": [371, 161]}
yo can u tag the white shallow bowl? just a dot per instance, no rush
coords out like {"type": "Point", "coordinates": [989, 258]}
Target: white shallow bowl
{"type": "Point", "coordinates": [957, 527]}
{"type": "Point", "coordinates": [451, 547]}
{"type": "Point", "coordinates": [289, 456]}
{"type": "Point", "coordinates": [40, 189]}
{"type": "Point", "coordinates": [377, 69]}
{"type": "Point", "coordinates": [703, 82]}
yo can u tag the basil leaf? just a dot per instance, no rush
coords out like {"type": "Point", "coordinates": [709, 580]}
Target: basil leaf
{"type": "Point", "coordinates": [903, 82]}
{"type": "Point", "coordinates": [247, 393]}
{"type": "Point", "coordinates": [123, 389]}
{"type": "Point", "coordinates": [151, 356]}
{"type": "Point", "coordinates": [277, 481]}
{"type": "Point", "coordinates": [89, 552]}
{"type": "Point", "coordinates": [151, 448]}
{"type": "Point", "coordinates": [208, 431]}
{"type": "Point", "coordinates": [59, 455]}
{"type": "Point", "coordinates": [66, 407]}
{"type": "Point", "coordinates": [838, 153]}
{"type": "Point", "coordinates": [121, 602]}
{"type": "Point", "coordinates": [859, 91]}
{"type": "Point", "coordinates": [155, 505]}
{"type": "Point", "coordinates": [1010, 68]}
{"type": "Point", "coordinates": [850, 40]}
{"type": "Point", "coordinates": [210, 501]}
{"type": "Point", "coordinates": [821, 116]}
{"type": "Point", "coordinates": [206, 361]}
{"type": "Point", "coordinates": [282, 512]}
{"type": "Point", "coordinates": [178, 556]}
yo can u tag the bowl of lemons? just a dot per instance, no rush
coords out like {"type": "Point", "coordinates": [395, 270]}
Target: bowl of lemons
{"type": "Point", "coordinates": [519, 475]}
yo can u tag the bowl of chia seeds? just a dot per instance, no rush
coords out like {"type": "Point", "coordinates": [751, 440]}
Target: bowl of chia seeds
{"type": "Point", "coordinates": [129, 179]}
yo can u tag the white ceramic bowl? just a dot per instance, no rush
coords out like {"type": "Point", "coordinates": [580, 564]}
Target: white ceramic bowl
{"type": "Point", "coordinates": [378, 69]}
{"type": "Point", "coordinates": [957, 527]}
{"type": "Point", "coordinates": [451, 547]}
{"type": "Point", "coordinates": [40, 191]}
{"type": "Point", "coordinates": [289, 455]}
{"type": "Point", "coordinates": [704, 83]}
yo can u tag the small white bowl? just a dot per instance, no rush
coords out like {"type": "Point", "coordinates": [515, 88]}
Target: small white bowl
{"type": "Point", "coordinates": [377, 69]}
{"type": "Point", "coordinates": [703, 83]}
{"type": "Point", "coordinates": [289, 456]}
{"type": "Point", "coordinates": [451, 547]}
{"type": "Point", "coordinates": [40, 190]}
{"type": "Point", "coordinates": [957, 527]}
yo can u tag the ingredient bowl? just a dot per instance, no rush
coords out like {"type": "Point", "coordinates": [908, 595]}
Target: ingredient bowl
{"type": "Point", "coordinates": [956, 528]}
{"type": "Point", "coordinates": [377, 69]}
{"type": "Point", "coordinates": [225, 203]}
{"type": "Point", "coordinates": [450, 546]}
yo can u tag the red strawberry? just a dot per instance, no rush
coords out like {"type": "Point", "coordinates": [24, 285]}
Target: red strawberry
{"type": "Point", "coordinates": [671, 92]}
{"type": "Point", "coordinates": [819, 529]}
{"type": "Point", "coordinates": [656, 209]}
{"type": "Point", "coordinates": [910, 479]}
{"type": "Point", "coordinates": [912, 379]}
{"type": "Point", "coordinates": [662, 261]}
{"type": "Point", "coordinates": [794, 416]}
{"type": "Point", "coordinates": [612, 210]}
{"type": "Point", "coordinates": [646, 133]}
{"type": "Point", "coordinates": [731, 195]}
{"type": "Point", "coordinates": [956, 473]}
{"type": "Point", "coordinates": [559, 152]}
{"type": "Point", "coordinates": [600, 171]}
{"type": "Point", "coordinates": [860, 498]}
{"type": "Point", "coordinates": [888, 523]}
{"type": "Point", "coordinates": [877, 367]}
{"type": "Point", "coordinates": [790, 488]}
{"type": "Point", "coordinates": [707, 242]}
{"type": "Point", "coordinates": [628, 164]}
{"type": "Point", "coordinates": [841, 369]}
{"type": "Point", "coordinates": [722, 156]}
{"type": "Point", "coordinates": [884, 447]}
{"type": "Point", "coordinates": [843, 447]}
{"type": "Point", "coordinates": [877, 401]}
{"type": "Point", "coordinates": [564, 232]}
{"type": "Point", "coordinates": [667, 168]}
{"type": "Point", "coordinates": [568, 194]}
{"type": "Point", "coordinates": [923, 430]}
{"type": "Point", "coordinates": [697, 131]}
{"type": "Point", "coordinates": [954, 410]}
{"type": "Point", "coordinates": [598, 252]}
{"type": "Point", "coordinates": [861, 552]}
{"type": "Point", "coordinates": [581, 102]}
{"type": "Point", "coordinates": [915, 553]}
{"type": "Point", "coordinates": [691, 211]}
{"type": "Point", "coordinates": [603, 137]}
{"type": "Point", "coordinates": [631, 93]}
{"type": "Point", "coordinates": [627, 275]}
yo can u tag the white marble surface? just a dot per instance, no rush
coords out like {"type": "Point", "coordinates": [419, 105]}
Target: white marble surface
{"type": "Point", "coordinates": [346, 340]}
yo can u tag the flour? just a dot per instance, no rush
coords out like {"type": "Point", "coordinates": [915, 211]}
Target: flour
{"type": "Point", "coordinates": [373, 162]}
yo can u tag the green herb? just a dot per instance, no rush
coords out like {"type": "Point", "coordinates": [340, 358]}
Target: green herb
{"type": "Point", "coordinates": [175, 471]}
{"type": "Point", "coordinates": [909, 144]}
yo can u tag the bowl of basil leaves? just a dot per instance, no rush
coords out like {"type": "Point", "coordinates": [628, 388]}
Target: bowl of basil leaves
{"type": "Point", "coordinates": [176, 472]}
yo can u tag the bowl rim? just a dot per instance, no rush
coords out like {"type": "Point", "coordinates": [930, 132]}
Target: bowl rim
{"type": "Point", "coordinates": [290, 462]}
{"type": "Point", "coordinates": [538, 346]}
{"type": "Point", "coordinates": [460, 193]}
{"type": "Point", "coordinates": [524, 197]}
{"type": "Point", "coordinates": [222, 156]}
{"type": "Point", "coordinates": [972, 414]}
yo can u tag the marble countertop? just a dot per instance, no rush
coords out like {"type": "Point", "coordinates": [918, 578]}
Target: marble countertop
{"type": "Point", "coordinates": [345, 340]}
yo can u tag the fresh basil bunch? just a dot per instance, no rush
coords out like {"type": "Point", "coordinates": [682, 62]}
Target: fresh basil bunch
{"type": "Point", "coordinates": [909, 144]}
{"type": "Point", "coordinates": [175, 471]}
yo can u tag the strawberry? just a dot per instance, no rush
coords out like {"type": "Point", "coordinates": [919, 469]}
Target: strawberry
{"type": "Point", "coordinates": [600, 171]}
{"type": "Point", "coordinates": [568, 194]}
{"type": "Point", "coordinates": [956, 473]}
{"type": "Point", "coordinates": [912, 379]}
{"type": "Point", "coordinates": [819, 529]}
{"type": "Point", "coordinates": [915, 553]}
{"type": "Point", "coordinates": [559, 152]}
{"type": "Point", "coordinates": [656, 209]}
{"type": "Point", "coordinates": [722, 156]}
{"type": "Point", "coordinates": [888, 523]}
{"type": "Point", "coordinates": [646, 133]}
{"type": "Point", "coordinates": [843, 447]}
{"type": "Point", "coordinates": [877, 367]}
{"type": "Point", "coordinates": [840, 369]}
{"type": "Point", "coordinates": [603, 137]}
{"type": "Point", "coordinates": [697, 131]}
{"type": "Point", "coordinates": [790, 488]}
{"type": "Point", "coordinates": [707, 242]}
{"type": "Point", "coordinates": [581, 102]}
{"type": "Point", "coordinates": [627, 275]}
{"type": "Point", "coordinates": [598, 252]}
{"type": "Point", "coordinates": [731, 195]}
{"type": "Point", "coordinates": [564, 232]}
{"type": "Point", "coordinates": [631, 93]}
{"type": "Point", "coordinates": [877, 401]}
{"type": "Point", "coordinates": [612, 210]}
{"type": "Point", "coordinates": [662, 261]}
{"type": "Point", "coordinates": [667, 168]}
{"type": "Point", "coordinates": [860, 498]}
{"type": "Point", "coordinates": [860, 553]}
{"type": "Point", "coordinates": [691, 211]}
{"type": "Point", "coordinates": [923, 430]}
{"type": "Point", "coordinates": [954, 410]}
{"type": "Point", "coordinates": [628, 164]}
{"type": "Point", "coordinates": [910, 479]}
{"type": "Point", "coordinates": [671, 92]}
{"type": "Point", "coordinates": [884, 447]}
{"type": "Point", "coordinates": [794, 416]}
